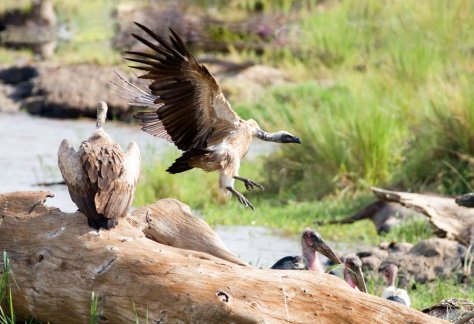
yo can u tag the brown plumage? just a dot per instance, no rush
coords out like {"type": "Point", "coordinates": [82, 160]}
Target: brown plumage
{"type": "Point", "coordinates": [101, 179]}
{"type": "Point", "coordinates": [191, 111]}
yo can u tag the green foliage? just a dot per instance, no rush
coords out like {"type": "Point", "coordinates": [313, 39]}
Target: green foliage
{"type": "Point", "coordinates": [426, 294]}
{"type": "Point", "coordinates": [196, 187]}
{"type": "Point", "coordinates": [349, 140]}
{"type": "Point", "coordinates": [410, 231]}
{"type": "Point", "coordinates": [6, 316]}
{"type": "Point", "coordinates": [390, 101]}
{"type": "Point", "coordinates": [94, 316]}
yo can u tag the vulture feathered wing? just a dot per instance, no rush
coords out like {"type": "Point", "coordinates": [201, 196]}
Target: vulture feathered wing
{"type": "Point", "coordinates": [101, 178]}
{"type": "Point", "coordinates": [192, 109]}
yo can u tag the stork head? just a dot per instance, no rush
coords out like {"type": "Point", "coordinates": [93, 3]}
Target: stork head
{"type": "Point", "coordinates": [101, 114]}
{"type": "Point", "coordinates": [353, 272]}
{"type": "Point", "coordinates": [390, 273]}
{"type": "Point", "coordinates": [313, 240]}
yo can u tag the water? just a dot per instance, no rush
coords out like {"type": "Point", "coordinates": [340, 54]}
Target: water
{"type": "Point", "coordinates": [259, 246]}
{"type": "Point", "coordinates": [262, 247]}
{"type": "Point", "coordinates": [29, 146]}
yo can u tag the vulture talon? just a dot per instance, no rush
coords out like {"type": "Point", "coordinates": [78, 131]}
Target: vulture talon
{"type": "Point", "coordinates": [249, 184]}
{"type": "Point", "coordinates": [244, 201]}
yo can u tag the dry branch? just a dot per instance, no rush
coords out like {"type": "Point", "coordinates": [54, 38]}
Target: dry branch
{"type": "Point", "coordinates": [58, 261]}
{"type": "Point", "coordinates": [454, 221]}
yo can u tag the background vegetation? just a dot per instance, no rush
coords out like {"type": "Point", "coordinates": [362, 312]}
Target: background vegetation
{"type": "Point", "coordinates": [381, 94]}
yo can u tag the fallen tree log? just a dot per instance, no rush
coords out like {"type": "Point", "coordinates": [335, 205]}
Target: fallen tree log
{"type": "Point", "coordinates": [170, 222]}
{"type": "Point", "coordinates": [58, 260]}
{"type": "Point", "coordinates": [453, 221]}
{"type": "Point", "coordinates": [384, 215]}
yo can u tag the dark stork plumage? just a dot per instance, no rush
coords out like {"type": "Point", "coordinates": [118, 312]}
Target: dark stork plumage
{"type": "Point", "coordinates": [311, 243]}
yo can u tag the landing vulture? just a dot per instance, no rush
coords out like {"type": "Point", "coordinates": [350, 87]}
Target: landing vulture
{"type": "Point", "coordinates": [188, 108]}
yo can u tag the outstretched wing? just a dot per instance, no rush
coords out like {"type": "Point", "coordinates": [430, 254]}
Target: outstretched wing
{"type": "Point", "coordinates": [192, 105]}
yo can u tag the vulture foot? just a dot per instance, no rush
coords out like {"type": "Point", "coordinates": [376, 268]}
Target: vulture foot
{"type": "Point", "coordinates": [249, 184]}
{"type": "Point", "coordinates": [102, 223]}
{"type": "Point", "coordinates": [244, 201]}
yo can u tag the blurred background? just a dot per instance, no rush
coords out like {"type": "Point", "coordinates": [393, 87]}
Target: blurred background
{"type": "Point", "coordinates": [380, 92]}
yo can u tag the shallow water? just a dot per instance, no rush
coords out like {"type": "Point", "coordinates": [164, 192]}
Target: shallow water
{"type": "Point", "coordinates": [262, 247]}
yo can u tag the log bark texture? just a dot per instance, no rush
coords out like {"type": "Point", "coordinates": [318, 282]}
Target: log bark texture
{"type": "Point", "coordinates": [58, 261]}
{"type": "Point", "coordinates": [453, 221]}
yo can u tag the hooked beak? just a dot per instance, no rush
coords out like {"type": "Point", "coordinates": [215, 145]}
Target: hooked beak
{"type": "Point", "coordinates": [358, 278]}
{"type": "Point", "coordinates": [325, 250]}
{"type": "Point", "coordinates": [297, 140]}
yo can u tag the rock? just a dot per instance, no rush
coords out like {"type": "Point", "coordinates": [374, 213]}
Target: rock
{"type": "Point", "coordinates": [72, 91]}
{"type": "Point", "coordinates": [451, 309]}
{"type": "Point", "coordinates": [17, 74]}
{"type": "Point", "coordinates": [426, 261]}
{"type": "Point", "coordinates": [7, 103]}
{"type": "Point", "coordinates": [250, 83]}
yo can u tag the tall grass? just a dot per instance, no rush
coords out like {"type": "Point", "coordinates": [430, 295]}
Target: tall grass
{"type": "Point", "coordinates": [7, 316]}
{"type": "Point", "coordinates": [390, 100]}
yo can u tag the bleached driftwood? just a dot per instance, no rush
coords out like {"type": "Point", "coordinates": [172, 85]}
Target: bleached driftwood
{"type": "Point", "coordinates": [58, 260]}
{"type": "Point", "coordinates": [455, 222]}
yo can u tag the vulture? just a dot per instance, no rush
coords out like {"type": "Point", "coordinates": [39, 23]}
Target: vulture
{"type": "Point", "coordinates": [311, 242]}
{"type": "Point", "coordinates": [391, 292]}
{"type": "Point", "coordinates": [353, 272]}
{"type": "Point", "coordinates": [100, 177]}
{"type": "Point", "coordinates": [188, 108]}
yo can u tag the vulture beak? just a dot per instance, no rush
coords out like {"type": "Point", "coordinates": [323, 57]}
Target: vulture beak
{"type": "Point", "coordinates": [325, 250]}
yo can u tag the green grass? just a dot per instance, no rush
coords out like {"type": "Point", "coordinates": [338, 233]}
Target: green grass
{"type": "Point", "coordinates": [425, 295]}
{"type": "Point", "coordinates": [92, 25]}
{"type": "Point", "coordinates": [7, 315]}
{"type": "Point", "coordinates": [200, 191]}
{"type": "Point", "coordinates": [94, 315]}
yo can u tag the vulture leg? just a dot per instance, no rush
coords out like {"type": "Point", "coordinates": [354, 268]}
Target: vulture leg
{"type": "Point", "coordinates": [244, 201]}
{"type": "Point", "coordinates": [249, 184]}
{"type": "Point", "coordinates": [102, 223]}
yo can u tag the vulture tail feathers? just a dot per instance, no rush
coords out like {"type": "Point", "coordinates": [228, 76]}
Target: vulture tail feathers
{"type": "Point", "coordinates": [185, 161]}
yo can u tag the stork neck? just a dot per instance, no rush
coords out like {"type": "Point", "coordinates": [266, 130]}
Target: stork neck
{"type": "Point", "coordinates": [391, 281]}
{"type": "Point", "coordinates": [312, 261]}
{"type": "Point", "coordinates": [348, 278]}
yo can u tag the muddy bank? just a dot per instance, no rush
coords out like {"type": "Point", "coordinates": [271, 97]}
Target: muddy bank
{"type": "Point", "coordinates": [425, 261]}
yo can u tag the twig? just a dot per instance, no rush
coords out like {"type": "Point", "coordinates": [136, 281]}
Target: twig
{"type": "Point", "coordinates": [465, 319]}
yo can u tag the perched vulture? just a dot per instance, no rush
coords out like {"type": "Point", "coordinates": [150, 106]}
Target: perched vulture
{"type": "Point", "coordinates": [189, 109]}
{"type": "Point", "coordinates": [100, 177]}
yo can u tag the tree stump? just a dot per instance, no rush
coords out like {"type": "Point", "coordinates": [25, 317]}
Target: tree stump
{"type": "Point", "coordinates": [58, 260]}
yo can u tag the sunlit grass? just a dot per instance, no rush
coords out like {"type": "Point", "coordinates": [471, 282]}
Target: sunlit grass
{"type": "Point", "coordinates": [428, 294]}
{"type": "Point", "coordinates": [7, 314]}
